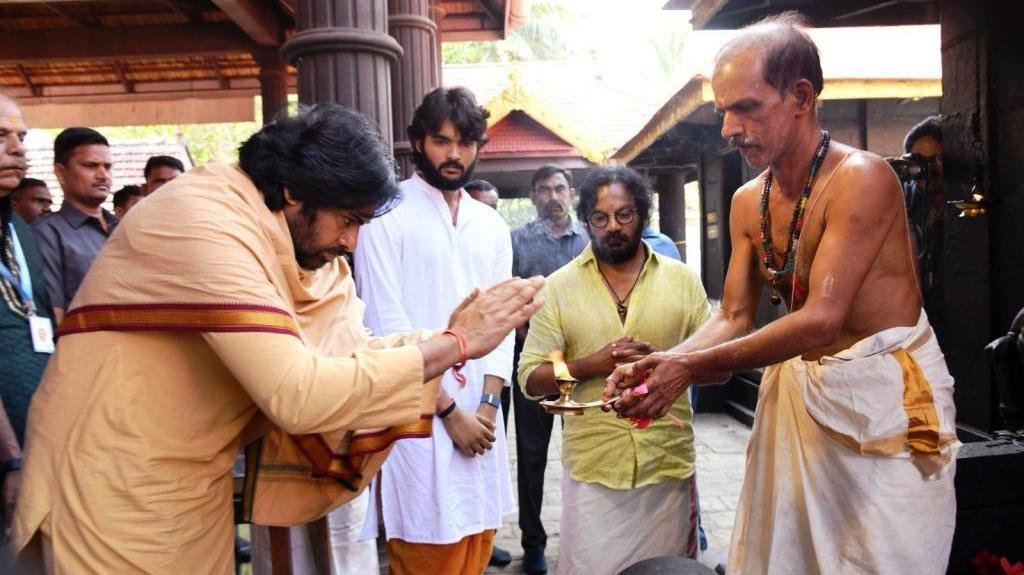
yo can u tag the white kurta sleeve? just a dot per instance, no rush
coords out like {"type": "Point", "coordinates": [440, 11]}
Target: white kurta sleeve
{"type": "Point", "coordinates": [378, 275]}
{"type": "Point", "coordinates": [499, 361]}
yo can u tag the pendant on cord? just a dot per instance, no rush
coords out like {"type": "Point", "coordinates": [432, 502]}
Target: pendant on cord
{"type": "Point", "coordinates": [622, 309]}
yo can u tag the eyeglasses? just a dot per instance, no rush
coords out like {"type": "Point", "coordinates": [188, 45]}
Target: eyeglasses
{"type": "Point", "coordinates": [624, 216]}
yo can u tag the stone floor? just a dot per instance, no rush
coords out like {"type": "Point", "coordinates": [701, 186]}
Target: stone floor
{"type": "Point", "coordinates": [721, 444]}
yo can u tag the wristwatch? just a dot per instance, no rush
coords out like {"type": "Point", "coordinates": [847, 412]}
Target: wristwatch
{"type": "Point", "coordinates": [9, 466]}
{"type": "Point", "coordinates": [491, 399]}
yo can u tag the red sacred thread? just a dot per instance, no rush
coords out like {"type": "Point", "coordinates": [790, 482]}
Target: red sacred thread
{"type": "Point", "coordinates": [463, 357]}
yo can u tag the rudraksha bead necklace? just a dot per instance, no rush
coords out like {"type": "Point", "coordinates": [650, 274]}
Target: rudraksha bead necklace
{"type": "Point", "coordinates": [796, 224]}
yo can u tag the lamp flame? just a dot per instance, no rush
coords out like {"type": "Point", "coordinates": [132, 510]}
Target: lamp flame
{"type": "Point", "coordinates": [558, 363]}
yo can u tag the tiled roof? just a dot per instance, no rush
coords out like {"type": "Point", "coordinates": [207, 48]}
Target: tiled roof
{"type": "Point", "coordinates": [519, 135]}
{"type": "Point", "coordinates": [592, 110]}
{"type": "Point", "coordinates": [129, 159]}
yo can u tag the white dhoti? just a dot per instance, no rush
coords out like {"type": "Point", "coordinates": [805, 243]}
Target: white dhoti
{"type": "Point", "coordinates": [604, 530]}
{"type": "Point", "coordinates": [851, 462]}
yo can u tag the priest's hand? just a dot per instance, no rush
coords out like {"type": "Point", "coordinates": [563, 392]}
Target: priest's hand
{"type": "Point", "coordinates": [472, 433]}
{"type": "Point", "coordinates": [485, 317]}
{"type": "Point", "coordinates": [664, 377]}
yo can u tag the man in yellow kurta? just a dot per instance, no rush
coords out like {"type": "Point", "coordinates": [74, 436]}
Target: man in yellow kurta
{"type": "Point", "coordinates": [217, 312]}
{"type": "Point", "coordinates": [611, 304]}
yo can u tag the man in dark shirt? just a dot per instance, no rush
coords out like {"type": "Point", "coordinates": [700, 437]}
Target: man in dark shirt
{"type": "Point", "coordinates": [158, 171]}
{"type": "Point", "coordinates": [483, 191]}
{"type": "Point", "coordinates": [22, 365]}
{"type": "Point", "coordinates": [31, 199]}
{"type": "Point", "coordinates": [125, 199]}
{"type": "Point", "coordinates": [70, 239]}
{"type": "Point", "coordinates": [539, 248]}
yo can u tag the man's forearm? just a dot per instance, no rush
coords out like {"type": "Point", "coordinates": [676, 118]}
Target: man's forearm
{"type": "Point", "coordinates": [439, 353]}
{"type": "Point", "coordinates": [785, 338]}
{"type": "Point", "coordinates": [719, 329]}
{"type": "Point", "coordinates": [493, 384]}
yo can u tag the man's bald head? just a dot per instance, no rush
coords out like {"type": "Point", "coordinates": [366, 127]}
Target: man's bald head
{"type": "Point", "coordinates": [12, 150]}
{"type": "Point", "coordinates": [788, 54]}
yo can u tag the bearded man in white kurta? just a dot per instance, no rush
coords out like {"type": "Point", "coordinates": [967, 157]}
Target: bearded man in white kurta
{"type": "Point", "coordinates": [442, 497]}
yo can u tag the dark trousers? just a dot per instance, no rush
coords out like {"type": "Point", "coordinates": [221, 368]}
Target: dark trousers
{"type": "Point", "coordinates": [533, 433]}
{"type": "Point", "coordinates": [506, 405]}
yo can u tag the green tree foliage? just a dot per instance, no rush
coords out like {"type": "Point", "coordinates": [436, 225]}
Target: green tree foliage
{"type": "Point", "coordinates": [539, 39]}
{"type": "Point", "coordinates": [668, 48]}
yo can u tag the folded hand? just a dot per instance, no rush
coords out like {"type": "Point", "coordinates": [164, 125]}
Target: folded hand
{"type": "Point", "coordinates": [666, 376]}
{"type": "Point", "coordinates": [486, 317]}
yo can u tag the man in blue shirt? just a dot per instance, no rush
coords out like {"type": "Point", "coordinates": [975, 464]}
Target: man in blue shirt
{"type": "Point", "coordinates": [539, 248]}
{"type": "Point", "coordinates": [660, 243]}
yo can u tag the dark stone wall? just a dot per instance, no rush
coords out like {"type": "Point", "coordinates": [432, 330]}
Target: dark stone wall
{"type": "Point", "coordinates": [984, 257]}
{"type": "Point", "coordinates": [1006, 50]}
{"type": "Point", "coordinates": [960, 304]}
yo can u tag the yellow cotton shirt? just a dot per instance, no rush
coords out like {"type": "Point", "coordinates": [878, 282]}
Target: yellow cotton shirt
{"type": "Point", "coordinates": [667, 305]}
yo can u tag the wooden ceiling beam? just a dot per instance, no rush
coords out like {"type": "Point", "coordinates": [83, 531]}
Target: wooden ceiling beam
{"type": "Point", "coordinates": [257, 19]}
{"type": "Point", "coordinates": [224, 82]}
{"type": "Point", "coordinates": [189, 15]}
{"type": "Point", "coordinates": [69, 17]}
{"type": "Point", "coordinates": [491, 11]}
{"type": "Point", "coordinates": [129, 86]}
{"type": "Point", "coordinates": [122, 43]}
{"type": "Point", "coordinates": [35, 90]}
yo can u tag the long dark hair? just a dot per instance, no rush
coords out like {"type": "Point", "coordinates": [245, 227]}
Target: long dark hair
{"type": "Point", "coordinates": [328, 156]}
{"type": "Point", "coordinates": [455, 104]}
{"type": "Point", "coordinates": [606, 176]}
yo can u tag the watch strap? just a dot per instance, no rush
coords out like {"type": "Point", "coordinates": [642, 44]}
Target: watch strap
{"type": "Point", "coordinates": [491, 399]}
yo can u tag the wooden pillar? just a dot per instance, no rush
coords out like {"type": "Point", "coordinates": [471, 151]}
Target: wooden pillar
{"type": "Point", "coordinates": [273, 84]}
{"type": "Point", "coordinates": [280, 550]}
{"type": "Point", "coordinates": [417, 72]}
{"type": "Point", "coordinates": [344, 54]}
{"type": "Point", "coordinates": [862, 123]}
{"type": "Point", "coordinates": [671, 208]}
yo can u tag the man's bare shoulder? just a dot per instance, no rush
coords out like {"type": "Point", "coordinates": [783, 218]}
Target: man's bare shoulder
{"type": "Point", "coordinates": [860, 164]}
{"type": "Point", "coordinates": [748, 195]}
{"type": "Point", "coordinates": [865, 178]}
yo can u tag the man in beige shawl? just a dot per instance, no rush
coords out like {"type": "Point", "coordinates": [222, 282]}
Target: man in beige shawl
{"type": "Point", "coordinates": [219, 313]}
{"type": "Point", "coordinates": [850, 464]}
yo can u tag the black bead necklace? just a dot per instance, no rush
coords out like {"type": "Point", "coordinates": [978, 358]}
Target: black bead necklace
{"type": "Point", "coordinates": [621, 307]}
{"type": "Point", "coordinates": [796, 224]}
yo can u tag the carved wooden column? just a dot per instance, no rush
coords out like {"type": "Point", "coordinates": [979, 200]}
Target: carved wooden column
{"type": "Point", "coordinates": [344, 54]}
{"type": "Point", "coordinates": [273, 84]}
{"type": "Point", "coordinates": [417, 71]}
